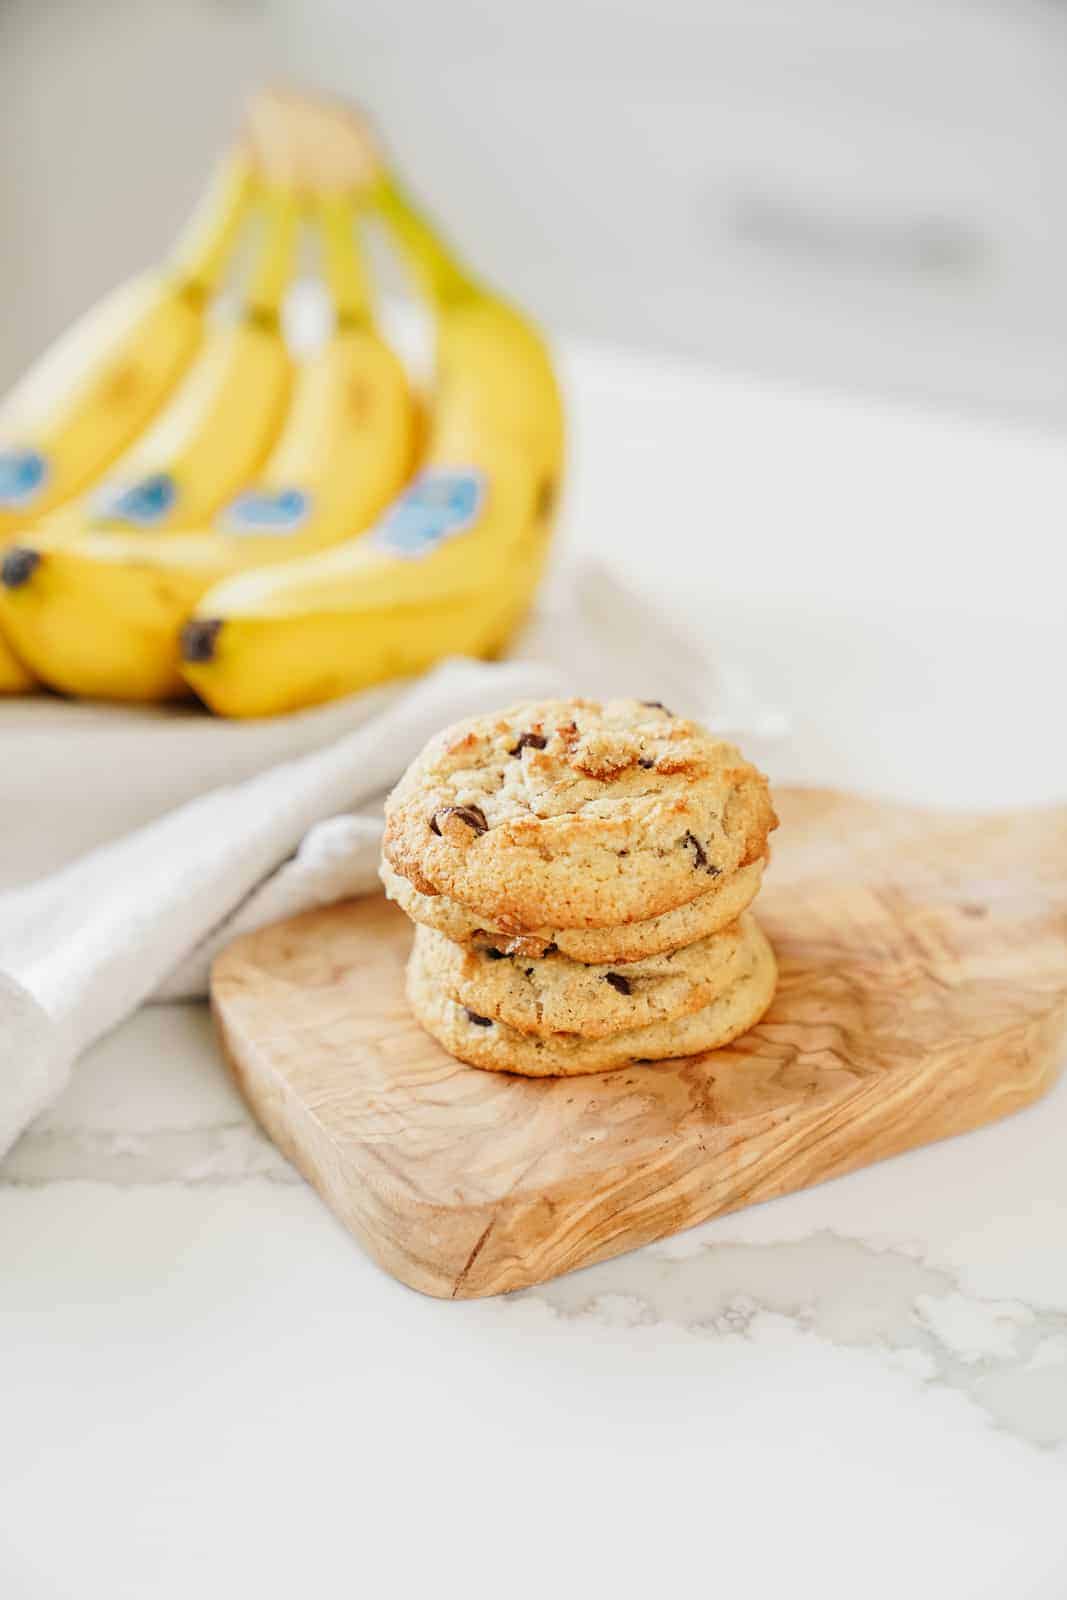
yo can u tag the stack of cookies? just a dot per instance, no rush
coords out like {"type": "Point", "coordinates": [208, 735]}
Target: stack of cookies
{"type": "Point", "coordinates": [580, 875]}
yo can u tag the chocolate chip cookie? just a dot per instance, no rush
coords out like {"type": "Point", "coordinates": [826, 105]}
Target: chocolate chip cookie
{"type": "Point", "coordinates": [556, 995]}
{"type": "Point", "coordinates": [716, 908]}
{"type": "Point", "coordinates": [574, 814]}
{"type": "Point", "coordinates": [485, 1042]}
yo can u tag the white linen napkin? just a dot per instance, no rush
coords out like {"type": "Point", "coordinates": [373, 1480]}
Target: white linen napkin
{"type": "Point", "coordinates": [144, 913]}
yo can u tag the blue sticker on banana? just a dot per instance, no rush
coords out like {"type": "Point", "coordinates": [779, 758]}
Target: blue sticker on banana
{"type": "Point", "coordinates": [436, 507]}
{"type": "Point", "coordinates": [142, 504]}
{"type": "Point", "coordinates": [22, 475]}
{"type": "Point", "coordinates": [271, 512]}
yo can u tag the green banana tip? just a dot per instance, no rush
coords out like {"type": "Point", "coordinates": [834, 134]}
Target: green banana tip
{"type": "Point", "coordinates": [18, 566]}
{"type": "Point", "coordinates": [198, 639]}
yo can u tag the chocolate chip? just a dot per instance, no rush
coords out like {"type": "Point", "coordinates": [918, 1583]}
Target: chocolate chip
{"type": "Point", "coordinates": [550, 949]}
{"type": "Point", "coordinates": [199, 638]}
{"type": "Point", "coordinates": [536, 741]}
{"type": "Point", "coordinates": [701, 861]}
{"type": "Point", "coordinates": [528, 971]}
{"type": "Point", "coordinates": [479, 1022]}
{"type": "Point", "coordinates": [698, 849]}
{"type": "Point", "coordinates": [19, 566]}
{"type": "Point", "coordinates": [656, 705]}
{"type": "Point", "coordinates": [473, 816]}
{"type": "Point", "coordinates": [495, 955]}
{"type": "Point", "coordinates": [617, 981]}
{"type": "Point", "coordinates": [646, 762]}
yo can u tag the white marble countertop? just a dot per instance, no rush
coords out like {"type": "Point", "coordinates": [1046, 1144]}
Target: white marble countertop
{"type": "Point", "coordinates": [860, 1390]}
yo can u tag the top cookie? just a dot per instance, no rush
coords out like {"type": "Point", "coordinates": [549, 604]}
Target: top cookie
{"type": "Point", "coordinates": [572, 814]}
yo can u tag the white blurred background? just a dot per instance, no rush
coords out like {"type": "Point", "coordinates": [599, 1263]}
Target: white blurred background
{"type": "Point", "coordinates": [864, 196]}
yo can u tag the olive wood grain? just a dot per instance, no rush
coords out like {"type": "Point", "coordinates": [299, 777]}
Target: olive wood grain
{"type": "Point", "coordinates": [923, 992]}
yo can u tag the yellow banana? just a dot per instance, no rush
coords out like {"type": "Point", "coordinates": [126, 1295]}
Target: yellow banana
{"type": "Point", "coordinates": [88, 397]}
{"type": "Point", "coordinates": [451, 566]}
{"type": "Point", "coordinates": [214, 435]}
{"type": "Point", "coordinates": [100, 614]}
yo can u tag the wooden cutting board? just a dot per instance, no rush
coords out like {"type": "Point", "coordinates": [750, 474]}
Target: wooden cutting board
{"type": "Point", "coordinates": [923, 992]}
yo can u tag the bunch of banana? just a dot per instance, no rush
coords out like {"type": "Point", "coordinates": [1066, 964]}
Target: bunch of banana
{"type": "Point", "coordinates": [452, 565]}
{"type": "Point", "coordinates": [99, 612]}
{"type": "Point", "coordinates": [322, 575]}
{"type": "Point", "coordinates": [99, 385]}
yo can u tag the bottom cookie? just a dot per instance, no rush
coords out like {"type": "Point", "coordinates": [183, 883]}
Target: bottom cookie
{"type": "Point", "coordinates": [499, 1048]}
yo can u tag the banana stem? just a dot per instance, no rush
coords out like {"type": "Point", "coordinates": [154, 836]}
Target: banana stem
{"type": "Point", "coordinates": [342, 260]}
{"type": "Point", "coordinates": [442, 277]}
{"type": "Point", "coordinates": [272, 267]}
{"type": "Point", "coordinates": [204, 246]}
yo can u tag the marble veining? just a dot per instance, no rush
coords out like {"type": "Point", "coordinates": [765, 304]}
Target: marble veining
{"type": "Point", "coordinates": [1008, 1358]}
{"type": "Point", "coordinates": [211, 1153]}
